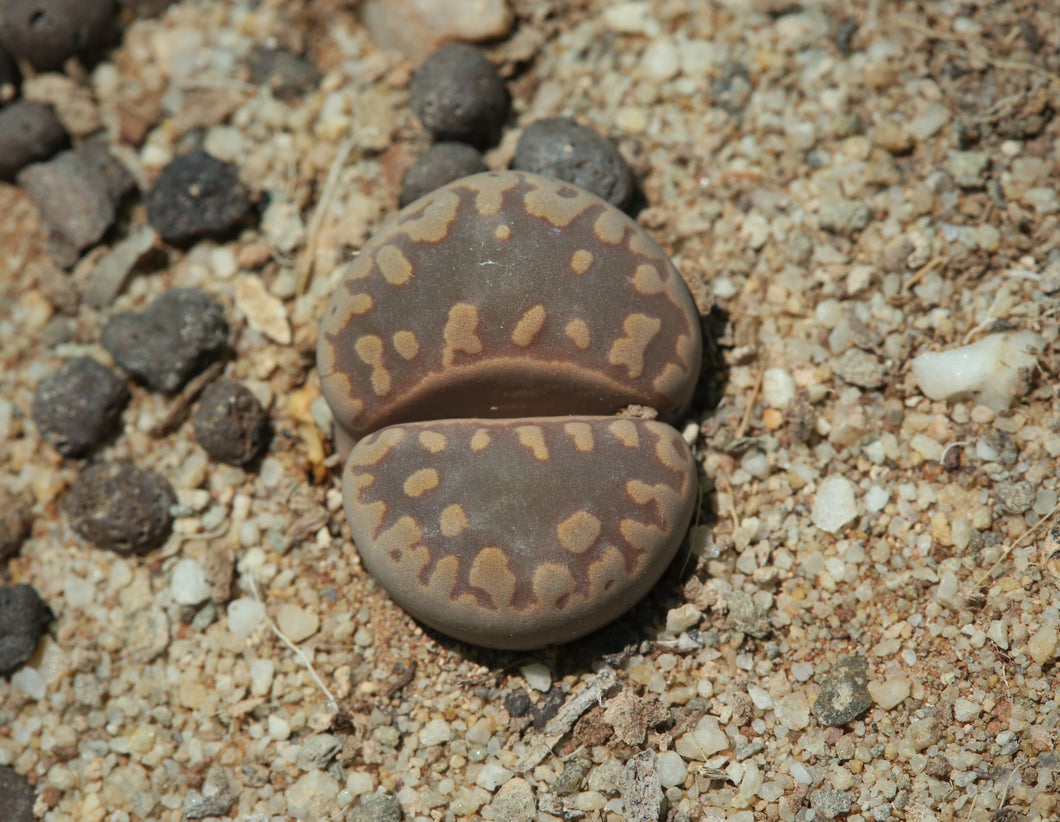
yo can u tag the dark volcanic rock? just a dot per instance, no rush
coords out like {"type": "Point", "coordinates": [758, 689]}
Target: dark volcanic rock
{"type": "Point", "coordinates": [29, 133]}
{"type": "Point", "coordinates": [196, 195]}
{"type": "Point", "coordinates": [79, 405]}
{"type": "Point", "coordinates": [120, 507]}
{"type": "Point", "coordinates": [230, 423]}
{"type": "Point", "coordinates": [23, 619]}
{"type": "Point", "coordinates": [170, 341]}
{"type": "Point", "coordinates": [561, 148]}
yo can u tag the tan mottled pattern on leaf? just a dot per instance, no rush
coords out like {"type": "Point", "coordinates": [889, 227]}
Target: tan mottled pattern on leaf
{"type": "Point", "coordinates": [519, 533]}
{"type": "Point", "coordinates": [503, 295]}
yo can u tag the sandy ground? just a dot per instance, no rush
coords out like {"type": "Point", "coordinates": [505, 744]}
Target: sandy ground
{"type": "Point", "coordinates": [807, 168]}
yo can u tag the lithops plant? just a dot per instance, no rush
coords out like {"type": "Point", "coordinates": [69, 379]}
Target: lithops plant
{"type": "Point", "coordinates": [479, 347]}
{"type": "Point", "coordinates": [519, 533]}
{"type": "Point", "coordinates": [507, 294]}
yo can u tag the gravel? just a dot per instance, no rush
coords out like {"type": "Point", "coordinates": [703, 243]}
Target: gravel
{"type": "Point", "coordinates": [74, 202]}
{"type": "Point", "coordinates": [198, 806]}
{"type": "Point", "coordinates": [947, 595]}
{"type": "Point", "coordinates": [843, 696]}
{"type": "Point", "coordinates": [286, 75]}
{"type": "Point", "coordinates": [16, 520]}
{"type": "Point", "coordinates": [439, 165]}
{"type": "Point", "coordinates": [830, 804]}
{"type": "Point", "coordinates": [379, 808]}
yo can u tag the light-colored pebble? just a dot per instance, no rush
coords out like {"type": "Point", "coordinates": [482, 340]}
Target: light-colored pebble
{"type": "Point", "coordinates": [778, 388]}
{"type": "Point", "coordinates": [262, 672]}
{"type": "Point", "coordinates": [537, 676]}
{"type": "Point", "coordinates": [965, 710]}
{"type": "Point", "coordinates": [705, 740]}
{"type": "Point", "coordinates": [245, 615]}
{"type": "Point", "coordinates": [834, 505]}
{"type": "Point", "coordinates": [264, 312]}
{"type": "Point", "coordinates": [631, 18]}
{"type": "Point", "coordinates": [296, 623]}
{"type": "Point", "coordinates": [1041, 647]}
{"type": "Point", "coordinates": [492, 776]}
{"type": "Point", "coordinates": [890, 693]}
{"type": "Point", "coordinates": [311, 796]}
{"type": "Point", "coordinates": [435, 732]}
{"type": "Point", "coordinates": [682, 618]}
{"type": "Point", "coordinates": [189, 585]}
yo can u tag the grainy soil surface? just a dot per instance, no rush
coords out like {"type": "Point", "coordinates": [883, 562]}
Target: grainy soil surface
{"type": "Point", "coordinates": [864, 624]}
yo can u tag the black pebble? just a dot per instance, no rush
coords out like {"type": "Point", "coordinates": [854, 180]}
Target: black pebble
{"type": "Point", "coordinates": [230, 422]}
{"type": "Point", "coordinates": [196, 195]}
{"type": "Point", "coordinates": [458, 95]}
{"type": "Point", "coordinates": [440, 165]}
{"type": "Point", "coordinates": [120, 507]}
{"type": "Point", "coordinates": [45, 33]}
{"type": "Point", "coordinates": [16, 519]}
{"type": "Point", "coordinates": [23, 618]}
{"type": "Point", "coordinates": [170, 341]}
{"type": "Point", "coordinates": [548, 707]}
{"type": "Point", "coordinates": [517, 703]}
{"type": "Point", "coordinates": [79, 405]}
{"type": "Point", "coordinates": [561, 148]}
{"type": "Point", "coordinates": [10, 77]}
{"type": "Point", "coordinates": [287, 75]}
{"type": "Point", "coordinates": [18, 796]}
{"type": "Point", "coordinates": [29, 133]}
